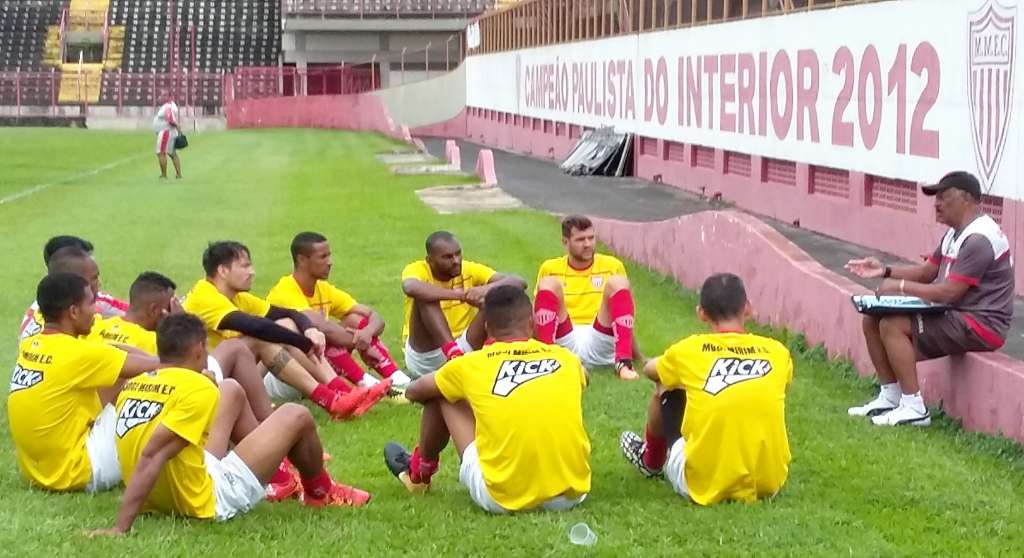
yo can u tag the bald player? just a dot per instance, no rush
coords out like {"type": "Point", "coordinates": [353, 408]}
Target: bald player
{"type": "Point", "coordinates": [442, 296]}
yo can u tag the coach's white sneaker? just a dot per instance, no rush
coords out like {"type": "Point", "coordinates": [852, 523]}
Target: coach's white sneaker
{"type": "Point", "coordinates": [399, 379]}
{"type": "Point", "coordinates": [876, 406]}
{"type": "Point", "coordinates": [911, 411]}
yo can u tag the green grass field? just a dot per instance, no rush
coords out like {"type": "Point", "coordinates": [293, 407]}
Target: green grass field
{"type": "Point", "coordinates": [853, 489]}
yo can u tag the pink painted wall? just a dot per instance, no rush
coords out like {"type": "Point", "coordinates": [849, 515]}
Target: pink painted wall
{"type": "Point", "coordinates": [787, 287]}
{"type": "Point", "coordinates": [530, 136]}
{"type": "Point", "coordinates": [348, 112]}
{"type": "Point", "coordinates": [449, 129]}
{"type": "Point", "coordinates": [876, 212]}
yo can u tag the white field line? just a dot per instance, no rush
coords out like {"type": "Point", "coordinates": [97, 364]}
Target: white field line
{"type": "Point", "coordinates": [40, 187]}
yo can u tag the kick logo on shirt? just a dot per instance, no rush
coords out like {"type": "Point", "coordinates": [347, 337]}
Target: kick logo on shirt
{"type": "Point", "coordinates": [514, 373]}
{"type": "Point", "coordinates": [135, 412]}
{"type": "Point", "coordinates": [597, 281]}
{"type": "Point", "coordinates": [23, 378]}
{"type": "Point", "coordinates": [727, 372]}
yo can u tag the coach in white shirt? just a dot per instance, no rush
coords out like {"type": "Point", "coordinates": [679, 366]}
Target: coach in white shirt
{"type": "Point", "coordinates": [165, 124]}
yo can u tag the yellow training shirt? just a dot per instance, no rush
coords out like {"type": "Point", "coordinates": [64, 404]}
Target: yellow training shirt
{"type": "Point", "coordinates": [527, 400]}
{"type": "Point", "coordinates": [122, 332]}
{"type": "Point", "coordinates": [735, 418]}
{"type": "Point", "coordinates": [458, 314]}
{"type": "Point", "coordinates": [184, 402]}
{"type": "Point", "coordinates": [328, 300]}
{"type": "Point", "coordinates": [53, 404]}
{"type": "Point", "coordinates": [583, 288]}
{"type": "Point", "coordinates": [205, 301]}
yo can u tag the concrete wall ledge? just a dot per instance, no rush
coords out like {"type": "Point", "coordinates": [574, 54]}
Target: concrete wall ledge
{"type": "Point", "coordinates": [789, 288]}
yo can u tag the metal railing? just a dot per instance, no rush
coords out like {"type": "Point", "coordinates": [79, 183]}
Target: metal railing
{"type": "Point", "coordinates": [396, 9]}
{"type": "Point", "coordinates": [533, 23]}
{"type": "Point", "coordinates": [195, 92]}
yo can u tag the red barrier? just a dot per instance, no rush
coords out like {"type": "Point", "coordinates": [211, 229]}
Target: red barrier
{"type": "Point", "coordinates": [343, 112]}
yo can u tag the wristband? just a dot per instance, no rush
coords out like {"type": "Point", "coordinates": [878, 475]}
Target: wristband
{"type": "Point", "coordinates": [888, 272]}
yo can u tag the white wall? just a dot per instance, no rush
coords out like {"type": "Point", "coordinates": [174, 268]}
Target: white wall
{"type": "Point", "coordinates": [881, 88]}
{"type": "Point", "coordinates": [438, 99]}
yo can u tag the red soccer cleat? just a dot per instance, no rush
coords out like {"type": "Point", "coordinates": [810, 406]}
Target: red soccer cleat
{"type": "Point", "coordinates": [292, 488]}
{"type": "Point", "coordinates": [340, 495]}
{"type": "Point", "coordinates": [373, 396]}
{"type": "Point", "coordinates": [345, 404]}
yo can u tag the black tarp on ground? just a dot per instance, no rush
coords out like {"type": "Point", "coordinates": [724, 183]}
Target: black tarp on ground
{"type": "Point", "coordinates": [602, 152]}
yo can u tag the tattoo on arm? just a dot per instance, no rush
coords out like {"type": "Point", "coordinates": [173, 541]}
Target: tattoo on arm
{"type": "Point", "coordinates": [280, 360]}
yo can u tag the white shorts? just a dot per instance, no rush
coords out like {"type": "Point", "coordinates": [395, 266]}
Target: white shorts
{"type": "Point", "coordinates": [675, 468]}
{"type": "Point", "coordinates": [165, 141]}
{"type": "Point", "coordinates": [420, 364]}
{"type": "Point", "coordinates": [213, 366]}
{"type": "Point", "coordinates": [235, 488]}
{"type": "Point", "coordinates": [593, 347]}
{"type": "Point", "coordinates": [101, 445]}
{"type": "Point", "coordinates": [472, 477]}
{"type": "Point", "coordinates": [278, 390]}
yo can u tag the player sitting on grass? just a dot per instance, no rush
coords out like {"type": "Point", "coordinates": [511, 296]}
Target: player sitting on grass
{"type": "Point", "coordinates": [583, 302]}
{"type": "Point", "coordinates": [175, 430]}
{"type": "Point", "coordinates": [717, 421]}
{"type": "Point", "coordinates": [222, 300]}
{"type": "Point", "coordinates": [514, 411]}
{"type": "Point", "coordinates": [59, 407]}
{"type": "Point", "coordinates": [72, 255]}
{"type": "Point", "coordinates": [355, 326]}
{"type": "Point", "coordinates": [442, 294]}
{"type": "Point", "coordinates": [151, 299]}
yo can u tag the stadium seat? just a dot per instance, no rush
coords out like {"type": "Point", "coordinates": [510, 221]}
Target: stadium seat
{"type": "Point", "coordinates": [23, 29]}
{"type": "Point", "coordinates": [227, 35]}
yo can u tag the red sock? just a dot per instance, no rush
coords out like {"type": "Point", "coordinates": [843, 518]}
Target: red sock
{"type": "Point", "coordinates": [318, 486]}
{"type": "Point", "coordinates": [323, 395]}
{"type": "Point", "coordinates": [344, 364]}
{"type": "Point", "coordinates": [420, 468]}
{"type": "Point", "coordinates": [545, 316]}
{"type": "Point", "coordinates": [451, 350]}
{"type": "Point", "coordinates": [655, 450]}
{"type": "Point", "coordinates": [385, 365]}
{"type": "Point", "coordinates": [339, 385]}
{"type": "Point", "coordinates": [283, 473]}
{"type": "Point", "coordinates": [620, 306]}
{"type": "Point", "coordinates": [564, 328]}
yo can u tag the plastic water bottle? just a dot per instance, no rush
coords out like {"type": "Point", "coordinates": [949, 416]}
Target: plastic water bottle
{"type": "Point", "coordinates": [582, 535]}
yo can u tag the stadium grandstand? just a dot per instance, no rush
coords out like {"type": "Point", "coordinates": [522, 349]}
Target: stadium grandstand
{"type": "Point", "coordinates": [73, 56]}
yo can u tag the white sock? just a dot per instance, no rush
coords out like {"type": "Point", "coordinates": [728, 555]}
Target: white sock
{"type": "Point", "coordinates": [368, 381]}
{"type": "Point", "coordinates": [400, 378]}
{"type": "Point", "coordinates": [891, 392]}
{"type": "Point", "coordinates": [913, 401]}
